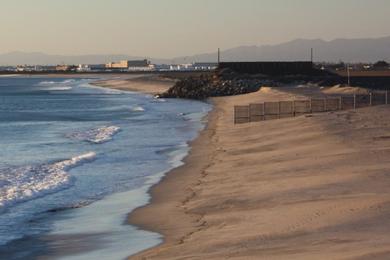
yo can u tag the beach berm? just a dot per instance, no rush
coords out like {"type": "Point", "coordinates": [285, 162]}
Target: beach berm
{"type": "Point", "coordinates": [297, 188]}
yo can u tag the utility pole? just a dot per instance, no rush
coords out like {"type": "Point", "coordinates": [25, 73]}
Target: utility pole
{"type": "Point", "coordinates": [219, 56]}
{"type": "Point", "coordinates": [311, 55]}
{"type": "Point", "coordinates": [349, 75]}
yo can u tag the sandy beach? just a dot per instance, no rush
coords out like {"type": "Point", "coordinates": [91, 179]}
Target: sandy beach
{"type": "Point", "coordinates": [311, 187]}
{"type": "Point", "coordinates": [195, 130]}
{"type": "Point", "coordinates": [150, 84]}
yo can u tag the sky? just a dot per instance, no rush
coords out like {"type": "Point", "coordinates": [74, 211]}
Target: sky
{"type": "Point", "coordinates": [172, 28]}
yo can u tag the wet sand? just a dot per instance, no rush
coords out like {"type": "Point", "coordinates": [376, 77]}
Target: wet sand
{"type": "Point", "coordinates": [311, 187]}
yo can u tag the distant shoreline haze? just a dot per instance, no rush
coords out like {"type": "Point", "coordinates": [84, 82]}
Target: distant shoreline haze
{"type": "Point", "coordinates": [347, 50]}
{"type": "Point", "coordinates": [175, 28]}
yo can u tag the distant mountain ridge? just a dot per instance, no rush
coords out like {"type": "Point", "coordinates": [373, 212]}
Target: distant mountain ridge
{"type": "Point", "coordinates": [348, 50]}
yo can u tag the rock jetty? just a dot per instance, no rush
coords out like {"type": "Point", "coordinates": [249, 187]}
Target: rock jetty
{"type": "Point", "coordinates": [198, 88]}
{"type": "Point", "coordinates": [223, 83]}
{"type": "Point", "coordinates": [228, 83]}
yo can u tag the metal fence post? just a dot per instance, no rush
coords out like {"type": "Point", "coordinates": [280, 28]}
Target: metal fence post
{"type": "Point", "coordinates": [325, 105]}
{"type": "Point", "coordinates": [263, 111]}
{"type": "Point", "coordinates": [235, 115]}
{"type": "Point", "coordinates": [293, 108]}
{"type": "Point", "coordinates": [370, 98]}
{"type": "Point", "coordinates": [249, 113]}
{"type": "Point", "coordinates": [341, 103]}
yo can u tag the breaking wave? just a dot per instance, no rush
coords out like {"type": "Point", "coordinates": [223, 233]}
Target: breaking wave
{"type": "Point", "coordinates": [25, 183]}
{"type": "Point", "coordinates": [137, 109]}
{"type": "Point", "coordinates": [50, 82]}
{"type": "Point", "coordinates": [46, 83]}
{"type": "Point", "coordinates": [96, 135]}
{"type": "Point", "coordinates": [55, 85]}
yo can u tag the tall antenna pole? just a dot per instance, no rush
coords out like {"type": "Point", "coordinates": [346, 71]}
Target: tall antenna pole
{"type": "Point", "coordinates": [219, 56]}
{"type": "Point", "coordinates": [311, 55]}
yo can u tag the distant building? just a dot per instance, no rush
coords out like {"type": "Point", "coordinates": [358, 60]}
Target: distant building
{"type": "Point", "coordinates": [25, 68]}
{"type": "Point", "coordinates": [174, 67]}
{"type": "Point", "coordinates": [32, 68]}
{"type": "Point", "coordinates": [150, 67]}
{"type": "Point", "coordinates": [367, 67]}
{"type": "Point", "coordinates": [8, 68]}
{"type": "Point", "coordinates": [182, 67]}
{"type": "Point", "coordinates": [66, 68]}
{"type": "Point", "coordinates": [91, 67]}
{"type": "Point", "coordinates": [381, 65]}
{"type": "Point", "coordinates": [22, 68]}
{"type": "Point", "coordinates": [126, 64]}
{"type": "Point", "coordinates": [193, 66]}
{"type": "Point", "coordinates": [162, 67]}
{"type": "Point", "coordinates": [45, 68]}
{"type": "Point", "coordinates": [205, 65]}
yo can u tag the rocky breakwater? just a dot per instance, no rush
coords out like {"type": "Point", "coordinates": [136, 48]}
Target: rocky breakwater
{"type": "Point", "coordinates": [226, 82]}
{"type": "Point", "coordinates": [213, 86]}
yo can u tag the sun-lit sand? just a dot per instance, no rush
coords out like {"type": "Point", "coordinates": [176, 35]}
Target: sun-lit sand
{"type": "Point", "coordinates": [151, 84]}
{"type": "Point", "coordinates": [311, 187]}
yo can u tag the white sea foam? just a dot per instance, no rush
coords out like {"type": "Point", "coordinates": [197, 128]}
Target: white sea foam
{"type": "Point", "coordinates": [96, 135]}
{"type": "Point", "coordinates": [51, 82]}
{"type": "Point", "coordinates": [68, 81]}
{"type": "Point", "coordinates": [59, 88]}
{"type": "Point", "coordinates": [21, 184]}
{"type": "Point", "coordinates": [55, 86]}
{"type": "Point", "coordinates": [159, 100]}
{"type": "Point", "coordinates": [123, 108]}
{"type": "Point", "coordinates": [46, 82]}
{"type": "Point", "coordinates": [137, 109]}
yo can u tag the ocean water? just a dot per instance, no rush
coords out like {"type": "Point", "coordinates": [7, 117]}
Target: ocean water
{"type": "Point", "coordinates": [76, 159]}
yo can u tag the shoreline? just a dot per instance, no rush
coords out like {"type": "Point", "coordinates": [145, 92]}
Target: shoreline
{"type": "Point", "coordinates": [194, 161]}
{"type": "Point", "coordinates": [148, 84]}
{"type": "Point", "coordinates": [117, 202]}
{"type": "Point", "coordinates": [310, 187]}
{"type": "Point", "coordinates": [177, 183]}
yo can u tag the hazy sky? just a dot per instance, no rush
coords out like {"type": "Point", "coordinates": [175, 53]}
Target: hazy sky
{"type": "Point", "coordinates": [169, 28]}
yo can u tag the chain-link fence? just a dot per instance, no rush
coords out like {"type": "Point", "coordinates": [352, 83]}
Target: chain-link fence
{"type": "Point", "coordinates": [282, 109]}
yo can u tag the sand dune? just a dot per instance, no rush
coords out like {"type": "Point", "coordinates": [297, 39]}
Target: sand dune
{"type": "Point", "coordinates": [311, 187]}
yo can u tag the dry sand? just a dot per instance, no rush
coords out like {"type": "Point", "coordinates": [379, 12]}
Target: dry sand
{"type": "Point", "coordinates": [311, 187]}
{"type": "Point", "coordinates": [150, 84]}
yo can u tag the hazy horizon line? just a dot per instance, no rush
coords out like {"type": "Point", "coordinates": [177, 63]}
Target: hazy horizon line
{"type": "Point", "coordinates": [183, 56]}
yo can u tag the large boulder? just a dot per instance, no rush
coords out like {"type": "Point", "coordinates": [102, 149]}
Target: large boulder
{"type": "Point", "coordinates": [202, 88]}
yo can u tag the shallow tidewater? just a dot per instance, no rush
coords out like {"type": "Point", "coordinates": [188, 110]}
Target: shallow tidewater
{"type": "Point", "coordinates": [75, 159]}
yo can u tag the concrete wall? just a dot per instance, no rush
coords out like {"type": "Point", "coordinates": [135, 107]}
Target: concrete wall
{"type": "Point", "coordinates": [270, 68]}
